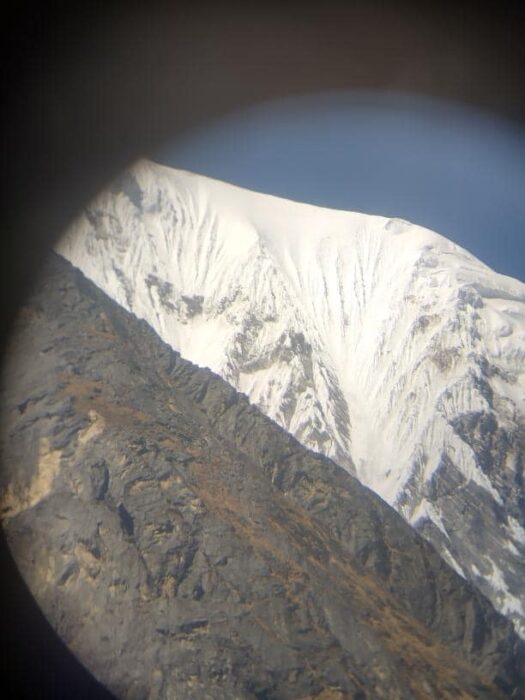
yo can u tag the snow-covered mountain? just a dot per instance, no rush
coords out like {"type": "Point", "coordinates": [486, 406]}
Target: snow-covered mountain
{"type": "Point", "coordinates": [374, 341]}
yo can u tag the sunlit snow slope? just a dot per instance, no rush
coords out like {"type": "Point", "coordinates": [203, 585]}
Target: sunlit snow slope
{"type": "Point", "coordinates": [375, 341]}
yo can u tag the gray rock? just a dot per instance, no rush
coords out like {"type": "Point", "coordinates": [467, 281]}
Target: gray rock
{"type": "Point", "coordinates": [185, 546]}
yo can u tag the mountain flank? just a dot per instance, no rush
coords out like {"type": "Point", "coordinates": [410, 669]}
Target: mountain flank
{"type": "Point", "coordinates": [181, 543]}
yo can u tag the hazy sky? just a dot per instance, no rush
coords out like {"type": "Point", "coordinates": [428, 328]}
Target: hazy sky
{"type": "Point", "coordinates": [452, 169]}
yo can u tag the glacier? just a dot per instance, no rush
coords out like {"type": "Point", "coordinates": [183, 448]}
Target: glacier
{"type": "Point", "coordinates": [374, 341]}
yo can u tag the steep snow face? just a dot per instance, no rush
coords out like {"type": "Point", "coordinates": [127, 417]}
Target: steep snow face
{"type": "Point", "coordinates": [374, 341]}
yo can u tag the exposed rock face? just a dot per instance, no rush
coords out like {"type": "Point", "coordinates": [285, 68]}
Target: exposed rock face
{"type": "Point", "coordinates": [183, 545]}
{"type": "Point", "coordinates": [374, 341]}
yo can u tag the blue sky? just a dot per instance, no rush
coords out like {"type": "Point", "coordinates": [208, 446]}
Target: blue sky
{"type": "Point", "coordinates": [453, 169]}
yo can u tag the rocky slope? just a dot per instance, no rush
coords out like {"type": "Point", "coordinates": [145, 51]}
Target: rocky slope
{"type": "Point", "coordinates": [184, 545]}
{"type": "Point", "coordinates": [375, 342]}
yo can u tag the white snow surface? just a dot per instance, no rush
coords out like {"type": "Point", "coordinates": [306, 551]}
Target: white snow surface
{"type": "Point", "coordinates": [364, 336]}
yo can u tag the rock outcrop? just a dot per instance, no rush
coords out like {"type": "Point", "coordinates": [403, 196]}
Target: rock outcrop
{"type": "Point", "coordinates": [183, 545]}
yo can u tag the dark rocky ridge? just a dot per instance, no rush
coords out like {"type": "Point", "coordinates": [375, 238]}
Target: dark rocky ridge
{"type": "Point", "coordinates": [182, 544]}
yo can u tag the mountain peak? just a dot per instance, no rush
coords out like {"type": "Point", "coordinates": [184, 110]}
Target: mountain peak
{"type": "Point", "coordinates": [374, 341]}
